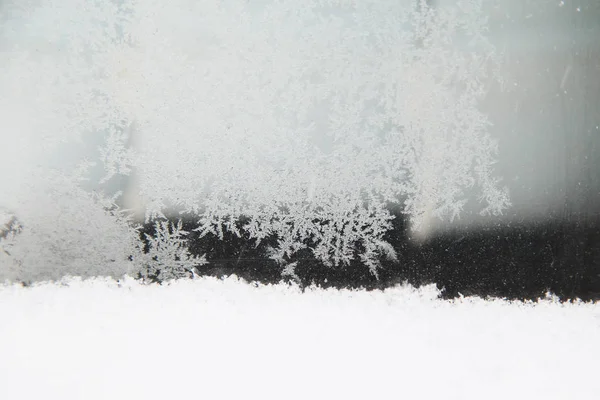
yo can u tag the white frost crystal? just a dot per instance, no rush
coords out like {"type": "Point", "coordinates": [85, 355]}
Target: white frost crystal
{"type": "Point", "coordinates": [304, 120]}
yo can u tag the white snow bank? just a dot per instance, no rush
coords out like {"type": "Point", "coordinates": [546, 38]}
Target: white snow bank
{"type": "Point", "coordinates": [208, 339]}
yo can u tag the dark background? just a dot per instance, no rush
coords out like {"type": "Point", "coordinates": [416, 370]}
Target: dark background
{"type": "Point", "coordinates": [514, 261]}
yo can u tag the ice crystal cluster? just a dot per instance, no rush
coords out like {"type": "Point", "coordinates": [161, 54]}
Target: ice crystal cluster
{"type": "Point", "coordinates": [300, 121]}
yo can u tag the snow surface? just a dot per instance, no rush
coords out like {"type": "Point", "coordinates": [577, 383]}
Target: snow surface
{"type": "Point", "coordinates": [210, 338]}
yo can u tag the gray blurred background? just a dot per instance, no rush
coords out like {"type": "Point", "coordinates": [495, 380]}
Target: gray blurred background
{"type": "Point", "coordinates": [546, 115]}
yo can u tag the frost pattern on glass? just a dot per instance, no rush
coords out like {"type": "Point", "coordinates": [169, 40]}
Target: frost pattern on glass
{"type": "Point", "coordinates": [302, 121]}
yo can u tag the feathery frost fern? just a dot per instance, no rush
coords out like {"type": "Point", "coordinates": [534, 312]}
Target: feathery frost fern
{"type": "Point", "coordinates": [304, 120]}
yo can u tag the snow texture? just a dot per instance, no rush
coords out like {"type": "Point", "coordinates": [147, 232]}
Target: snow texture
{"type": "Point", "coordinates": [300, 121]}
{"type": "Point", "coordinates": [207, 338]}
